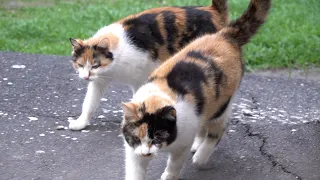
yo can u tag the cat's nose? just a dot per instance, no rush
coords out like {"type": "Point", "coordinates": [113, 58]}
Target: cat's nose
{"type": "Point", "coordinates": [86, 77]}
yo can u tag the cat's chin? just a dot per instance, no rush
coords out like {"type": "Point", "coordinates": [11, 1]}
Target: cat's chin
{"type": "Point", "coordinates": [147, 156]}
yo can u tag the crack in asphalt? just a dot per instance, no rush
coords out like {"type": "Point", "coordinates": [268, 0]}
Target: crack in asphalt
{"type": "Point", "coordinates": [262, 148]}
{"type": "Point", "coordinates": [265, 153]}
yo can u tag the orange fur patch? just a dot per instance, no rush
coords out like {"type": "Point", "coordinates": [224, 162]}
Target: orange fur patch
{"type": "Point", "coordinates": [143, 130]}
{"type": "Point", "coordinates": [154, 103]}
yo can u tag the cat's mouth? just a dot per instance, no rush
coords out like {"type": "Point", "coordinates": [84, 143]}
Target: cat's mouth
{"type": "Point", "coordinates": [146, 155]}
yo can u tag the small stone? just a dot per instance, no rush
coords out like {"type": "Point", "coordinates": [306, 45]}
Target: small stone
{"type": "Point", "coordinates": [42, 135]}
{"type": "Point", "coordinates": [32, 119]}
{"type": "Point", "coordinates": [254, 133]}
{"type": "Point", "coordinates": [40, 152]}
{"type": "Point", "coordinates": [105, 110]}
{"type": "Point", "coordinates": [293, 130]}
{"type": "Point", "coordinates": [85, 131]}
{"type": "Point", "coordinates": [18, 66]}
{"type": "Point", "coordinates": [60, 127]}
{"type": "Point", "coordinates": [101, 116]}
{"type": "Point", "coordinates": [74, 139]}
{"type": "Point", "coordinates": [247, 112]}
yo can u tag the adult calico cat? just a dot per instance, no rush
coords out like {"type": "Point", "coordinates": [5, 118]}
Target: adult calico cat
{"type": "Point", "coordinates": [188, 99]}
{"type": "Point", "coordinates": [129, 50]}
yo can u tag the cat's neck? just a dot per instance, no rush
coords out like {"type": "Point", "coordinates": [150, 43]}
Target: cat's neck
{"type": "Point", "coordinates": [131, 65]}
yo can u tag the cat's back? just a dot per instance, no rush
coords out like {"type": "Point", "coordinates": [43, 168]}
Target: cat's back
{"type": "Point", "coordinates": [206, 73]}
{"type": "Point", "coordinates": [164, 31]}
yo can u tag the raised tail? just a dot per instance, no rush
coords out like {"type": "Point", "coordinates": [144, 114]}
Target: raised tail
{"type": "Point", "coordinates": [221, 7]}
{"type": "Point", "coordinates": [242, 29]}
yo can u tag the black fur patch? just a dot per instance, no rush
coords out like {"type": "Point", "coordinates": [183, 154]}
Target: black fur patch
{"type": "Point", "coordinates": [77, 53]}
{"type": "Point", "coordinates": [158, 125]}
{"type": "Point", "coordinates": [160, 129]}
{"type": "Point", "coordinates": [198, 22]}
{"type": "Point", "coordinates": [171, 29]}
{"type": "Point", "coordinates": [186, 78]}
{"type": "Point", "coordinates": [109, 55]}
{"type": "Point", "coordinates": [213, 135]}
{"type": "Point", "coordinates": [214, 71]}
{"type": "Point", "coordinates": [144, 33]}
{"type": "Point", "coordinates": [221, 110]}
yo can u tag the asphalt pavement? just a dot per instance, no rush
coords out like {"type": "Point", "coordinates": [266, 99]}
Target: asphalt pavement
{"type": "Point", "coordinates": [274, 131]}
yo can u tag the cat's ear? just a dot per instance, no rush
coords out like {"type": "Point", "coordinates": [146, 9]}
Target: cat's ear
{"type": "Point", "coordinates": [170, 114]}
{"type": "Point", "coordinates": [76, 44]}
{"type": "Point", "coordinates": [103, 43]}
{"type": "Point", "coordinates": [130, 111]}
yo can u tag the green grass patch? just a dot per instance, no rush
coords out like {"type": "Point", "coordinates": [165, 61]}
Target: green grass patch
{"type": "Point", "coordinates": [290, 38]}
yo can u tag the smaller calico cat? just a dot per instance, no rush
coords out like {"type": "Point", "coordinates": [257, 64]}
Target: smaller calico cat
{"type": "Point", "coordinates": [188, 99]}
{"type": "Point", "coordinates": [129, 50]}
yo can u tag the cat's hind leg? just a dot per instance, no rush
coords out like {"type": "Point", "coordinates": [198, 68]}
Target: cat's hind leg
{"type": "Point", "coordinates": [215, 130]}
{"type": "Point", "coordinates": [91, 102]}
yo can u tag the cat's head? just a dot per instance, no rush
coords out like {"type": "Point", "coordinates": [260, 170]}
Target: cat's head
{"type": "Point", "coordinates": [91, 58]}
{"type": "Point", "coordinates": [149, 126]}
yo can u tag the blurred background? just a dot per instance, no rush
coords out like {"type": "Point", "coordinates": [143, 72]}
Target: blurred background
{"type": "Point", "coordinates": [289, 39]}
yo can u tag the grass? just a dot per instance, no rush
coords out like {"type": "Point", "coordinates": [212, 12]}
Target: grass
{"type": "Point", "coordinates": [290, 38]}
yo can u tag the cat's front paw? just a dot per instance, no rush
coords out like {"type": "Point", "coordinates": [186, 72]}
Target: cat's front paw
{"type": "Point", "coordinates": [168, 176]}
{"type": "Point", "coordinates": [78, 124]}
{"type": "Point", "coordinates": [199, 159]}
{"type": "Point", "coordinates": [195, 146]}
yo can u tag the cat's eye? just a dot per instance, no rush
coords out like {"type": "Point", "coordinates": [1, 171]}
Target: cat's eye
{"type": "Point", "coordinates": [95, 66]}
{"type": "Point", "coordinates": [80, 65]}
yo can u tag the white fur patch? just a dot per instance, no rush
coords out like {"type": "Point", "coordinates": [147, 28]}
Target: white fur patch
{"type": "Point", "coordinates": [148, 90]}
{"type": "Point", "coordinates": [130, 66]}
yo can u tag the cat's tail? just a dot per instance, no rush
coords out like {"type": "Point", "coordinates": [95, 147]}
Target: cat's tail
{"type": "Point", "coordinates": [242, 29]}
{"type": "Point", "coordinates": [221, 7]}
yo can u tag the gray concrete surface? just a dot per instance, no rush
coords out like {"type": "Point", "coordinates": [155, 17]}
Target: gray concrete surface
{"type": "Point", "coordinates": [274, 132]}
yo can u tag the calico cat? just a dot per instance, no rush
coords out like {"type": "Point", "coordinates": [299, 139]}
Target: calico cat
{"type": "Point", "coordinates": [187, 100]}
{"type": "Point", "coordinates": [129, 50]}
